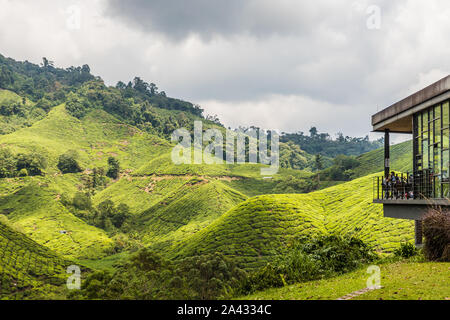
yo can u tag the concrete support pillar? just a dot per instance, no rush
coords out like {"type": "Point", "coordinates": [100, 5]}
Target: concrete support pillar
{"type": "Point", "coordinates": [386, 153]}
{"type": "Point", "coordinates": [418, 233]}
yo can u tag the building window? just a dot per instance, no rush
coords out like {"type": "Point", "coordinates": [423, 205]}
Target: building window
{"type": "Point", "coordinates": [432, 146]}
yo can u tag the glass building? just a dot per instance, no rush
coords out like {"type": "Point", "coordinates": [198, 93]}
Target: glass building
{"type": "Point", "coordinates": [431, 147]}
{"type": "Point", "coordinates": [425, 115]}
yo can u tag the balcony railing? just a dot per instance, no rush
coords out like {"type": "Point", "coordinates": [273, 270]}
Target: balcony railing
{"type": "Point", "coordinates": [404, 186]}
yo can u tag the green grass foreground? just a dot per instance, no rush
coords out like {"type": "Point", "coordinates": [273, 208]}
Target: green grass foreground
{"type": "Point", "coordinates": [400, 281]}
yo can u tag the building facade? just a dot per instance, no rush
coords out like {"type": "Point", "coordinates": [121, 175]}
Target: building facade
{"type": "Point", "coordinates": [425, 116]}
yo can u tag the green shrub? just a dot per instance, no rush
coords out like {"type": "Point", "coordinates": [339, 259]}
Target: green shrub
{"type": "Point", "coordinates": [67, 163]}
{"type": "Point", "coordinates": [7, 163]}
{"type": "Point", "coordinates": [148, 276]}
{"type": "Point", "coordinates": [211, 276]}
{"type": "Point", "coordinates": [45, 104]}
{"type": "Point", "coordinates": [82, 201]}
{"type": "Point", "coordinates": [33, 162]}
{"type": "Point", "coordinates": [309, 259]}
{"type": "Point", "coordinates": [108, 216]}
{"type": "Point", "coordinates": [113, 168]}
{"type": "Point", "coordinates": [436, 229]}
{"type": "Point", "coordinates": [266, 277]}
{"type": "Point", "coordinates": [406, 250]}
{"type": "Point", "coordinates": [76, 105]}
{"type": "Point", "coordinates": [21, 164]}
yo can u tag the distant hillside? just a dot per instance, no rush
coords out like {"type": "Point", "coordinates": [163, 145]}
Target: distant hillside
{"type": "Point", "coordinates": [346, 168]}
{"type": "Point", "coordinates": [27, 269]}
{"type": "Point", "coordinates": [373, 161]}
{"type": "Point", "coordinates": [86, 171]}
{"type": "Point", "coordinates": [28, 92]}
{"type": "Point", "coordinates": [253, 231]}
{"type": "Point", "coordinates": [323, 144]}
{"type": "Point", "coordinates": [51, 85]}
{"type": "Point", "coordinates": [17, 112]}
{"type": "Point", "coordinates": [154, 189]}
{"type": "Point", "coordinates": [39, 81]}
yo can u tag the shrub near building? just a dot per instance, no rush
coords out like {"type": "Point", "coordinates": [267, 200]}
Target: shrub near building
{"type": "Point", "coordinates": [436, 229]}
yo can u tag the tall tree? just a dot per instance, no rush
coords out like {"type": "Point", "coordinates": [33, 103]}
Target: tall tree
{"type": "Point", "coordinates": [319, 165]}
{"type": "Point", "coordinates": [114, 168]}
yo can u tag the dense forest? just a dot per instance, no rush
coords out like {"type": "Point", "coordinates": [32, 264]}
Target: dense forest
{"type": "Point", "coordinates": [323, 144]}
{"type": "Point", "coordinates": [136, 103]}
{"type": "Point", "coordinates": [40, 88]}
{"type": "Point", "coordinates": [45, 81]}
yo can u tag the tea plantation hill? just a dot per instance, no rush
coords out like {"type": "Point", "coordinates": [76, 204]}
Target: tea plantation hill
{"type": "Point", "coordinates": [29, 113]}
{"type": "Point", "coordinates": [371, 162]}
{"type": "Point", "coordinates": [27, 269]}
{"type": "Point", "coordinates": [253, 231]}
{"type": "Point", "coordinates": [170, 203]}
{"type": "Point", "coordinates": [158, 192]}
{"type": "Point", "coordinates": [54, 111]}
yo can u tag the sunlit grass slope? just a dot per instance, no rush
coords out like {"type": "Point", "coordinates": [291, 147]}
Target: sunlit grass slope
{"type": "Point", "coordinates": [9, 96]}
{"type": "Point", "coordinates": [28, 115]}
{"type": "Point", "coordinates": [373, 161]}
{"type": "Point", "coordinates": [27, 269]}
{"type": "Point", "coordinates": [140, 193]}
{"type": "Point", "coordinates": [95, 137]}
{"type": "Point", "coordinates": [399, 281]}
{"type": "Point", "coordinates": [245, 178]}
{"type": "Point", "coordinates": [169, 208]}
{"type": "Point", "coordinates": [33, 205]}
{"type": "Point", "coordinates": [186, 210]}
{"type": "Point", "coordinates": [254, 230]}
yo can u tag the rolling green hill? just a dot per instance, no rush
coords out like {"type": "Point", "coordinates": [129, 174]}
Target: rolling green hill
{"type": "Point", "coordinates": [27, 269]}
{"type": "Point", "coordinates": [17, 112]}
{"type": "Point", "coordinates": [34, 203]}
{"type": "Point", "coordinates": [253, 231]}
{"type": "Point", "coordinates": [186, 210]}
{"type": "Point", "coordinates": [96, 137]}
{"type": "Point", "coordinates": [373, 161]}
{"type": "Point", "coordinates": [34, 206]}
{"type": "Point", "coordinates": [156, 190]}
{"type": "Point", "coordinates": [177, 210]}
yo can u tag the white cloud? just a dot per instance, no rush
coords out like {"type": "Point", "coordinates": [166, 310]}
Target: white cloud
{"type": "Point", "coordinates": [289, 65]}
{"type": "Point", "coordinates": [288, 113]}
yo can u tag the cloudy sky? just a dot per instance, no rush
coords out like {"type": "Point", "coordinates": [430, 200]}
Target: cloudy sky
{"type": "Point", "coordinates": [280, 64]}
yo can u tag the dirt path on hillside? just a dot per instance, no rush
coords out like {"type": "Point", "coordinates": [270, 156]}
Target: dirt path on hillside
{"type": "Point", "coordinates": [157, 178]}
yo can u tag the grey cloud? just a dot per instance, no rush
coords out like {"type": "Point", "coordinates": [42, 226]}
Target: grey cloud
{"type": "Point", "coordinates": [180, 18]}
{"type": "Point", "coordinates": [321, 48]}
{"type": "Point", "coordinates": [244, 59]}
{"type": "Point", "coordinates": [208, 18]}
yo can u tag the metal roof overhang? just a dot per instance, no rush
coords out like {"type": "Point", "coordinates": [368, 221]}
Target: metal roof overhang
{"type": "Point", "coordinates": [398, 117]}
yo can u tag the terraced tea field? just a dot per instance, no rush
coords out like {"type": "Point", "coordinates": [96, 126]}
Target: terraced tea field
{"type": "Point", "coordinates": [27, 269]}
{"type": "Point", "coordinates": [255, 230]}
